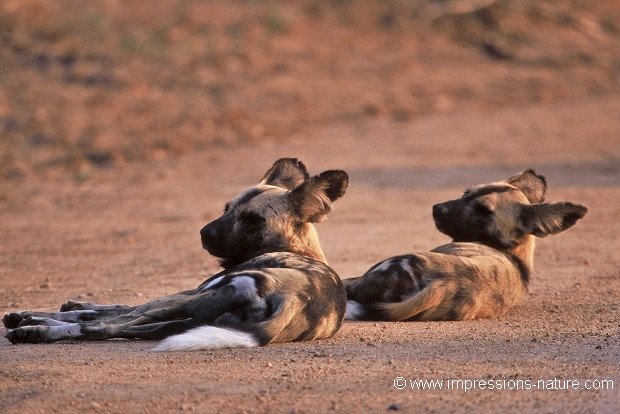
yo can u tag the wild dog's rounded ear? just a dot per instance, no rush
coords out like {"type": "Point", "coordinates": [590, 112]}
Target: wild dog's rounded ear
{"type": "Point", "coordinates": [545, 219]}
{"type": "Point", "coordinates": [336, 183]}
{"type": "Point", "coordinates": [531, 184]}
{"type": "Point", "coordinates": [312, 200]}
{"type": "Point", "coordinates": [287, 173]}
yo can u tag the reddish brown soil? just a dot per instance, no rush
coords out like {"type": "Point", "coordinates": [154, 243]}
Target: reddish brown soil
{"type": "Point", "coordinates": [126, 127]}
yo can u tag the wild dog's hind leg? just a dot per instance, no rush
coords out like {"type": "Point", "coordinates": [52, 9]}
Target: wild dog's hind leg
{"type": "Point", "coordinates": [117, 310]}
{"type": "Point", "coordinates": [156, 330]}
{"type": "Point", "coordinates": [69, 312]}
{"type": "Point", "coordinates": [43, 333]}
{"type": "Point", "coordinates": [15, 319]}
{"type": "Point", "coordinates": [73, 306]}
{"type": "Point", "coordinates": [35, 320]}
{"type": "Point", "coordinates": [46, 330]}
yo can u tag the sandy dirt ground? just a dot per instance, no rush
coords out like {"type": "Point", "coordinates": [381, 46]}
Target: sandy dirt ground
{"type": "Point", "coordinates": [125, 129]}
{"type": "Point", "coordinates": [131, 234]}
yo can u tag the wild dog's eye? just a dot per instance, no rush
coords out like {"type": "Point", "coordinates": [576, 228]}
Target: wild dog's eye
{"type": "Point", "coordinates": [226, 207]}
{"type": "Point", "coordinates": [483, 210]}
{"type": "Point", "coordinates": [252, 219]}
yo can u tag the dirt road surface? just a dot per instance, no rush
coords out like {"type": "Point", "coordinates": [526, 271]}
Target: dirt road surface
{"type": "Point", "coordinates": [131, 234]}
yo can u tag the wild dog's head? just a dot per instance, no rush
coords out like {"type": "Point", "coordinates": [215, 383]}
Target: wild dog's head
{"type": "Point", "coordinates": [275, 215]}
{"type": "Point", "coordinates": [503, 214]}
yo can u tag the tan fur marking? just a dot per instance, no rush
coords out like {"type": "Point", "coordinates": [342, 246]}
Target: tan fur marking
{"type": "Point", "coordinates": [431, 297]}
{"type": "Point", "coordinates": [525, 251]}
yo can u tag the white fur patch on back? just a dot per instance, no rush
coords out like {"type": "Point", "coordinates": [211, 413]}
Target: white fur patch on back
{"type": "Point", "coordinates": [404, 264]}
{"type": "Point", "coordinates": [207, 337]}
{"type": "Point", "coordinates": [212, 283]}
{"type": "Point", "coordinates": [354, 309]}
{"type": "Point", "coordinates": [383, 266]}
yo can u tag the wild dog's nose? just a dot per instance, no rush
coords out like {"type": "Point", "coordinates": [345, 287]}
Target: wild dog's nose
{"type": "Point", "coordinates": [439, 210]}
{"type": "Point", "coordinates": [207, 235]}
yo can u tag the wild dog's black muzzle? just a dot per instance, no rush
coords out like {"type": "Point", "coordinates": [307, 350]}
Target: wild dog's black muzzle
{"type": "Point", "coordinates": [445, 220]}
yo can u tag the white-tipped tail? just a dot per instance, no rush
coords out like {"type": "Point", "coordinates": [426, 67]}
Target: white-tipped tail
{"type": "Point", "coordinates": [354, 309]}
{"type": "Point", "coordinates": [207, 337]}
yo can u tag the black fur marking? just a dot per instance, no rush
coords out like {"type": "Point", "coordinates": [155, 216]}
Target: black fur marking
{"type": "Point", "coordinates": [486, 190]}
{"type": "Point", "coordinates": [391, 284]}
{"type": "Point", "coordinates": [249, 195]}
{"type": "Point", "coordinates": [524, 270]}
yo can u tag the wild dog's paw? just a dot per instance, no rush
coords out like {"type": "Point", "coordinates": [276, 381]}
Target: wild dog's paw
{"type": "Point", "coordinates": [71, 306]}
{"type": "Point", "coordinates": [11, 335]}
{"type": "Point", "coordinates": [31, 321]}
{"type": "Point", "coordinates": [12, 320]}
{"type": "Point", "coordinates": [27, 335]}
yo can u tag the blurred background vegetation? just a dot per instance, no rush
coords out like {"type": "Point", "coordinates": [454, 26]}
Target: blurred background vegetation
{"type": "Point", "coordinates": [95, 83]}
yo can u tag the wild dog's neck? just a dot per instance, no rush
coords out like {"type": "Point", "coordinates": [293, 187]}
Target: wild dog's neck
{"type": "Point", "coordinates": [306, 242]}
{"type": "Point", "coordinates": [525, 251]}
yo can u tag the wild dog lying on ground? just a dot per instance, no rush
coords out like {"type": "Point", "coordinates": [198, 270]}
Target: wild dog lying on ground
{"type": "Point", "coordinates": [484, 272]}
{"type": "Point", "coordinates": [276, 285]}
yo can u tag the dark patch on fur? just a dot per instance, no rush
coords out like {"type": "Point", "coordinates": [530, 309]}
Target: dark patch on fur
{"type": "Point", "coordinates": [524, 270]}
{"type": "Point", "coordinates": [486, 190]}
{"type": "Point", "coordinates": [248, 196]}
{"type": "Point", "coordinates": [390, 285]}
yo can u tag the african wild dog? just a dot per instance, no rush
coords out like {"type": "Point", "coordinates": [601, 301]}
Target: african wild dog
{"type": "Point", "coordinates": [276, 285]}
{"type": "Point", "coordinates": [484, 272]}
